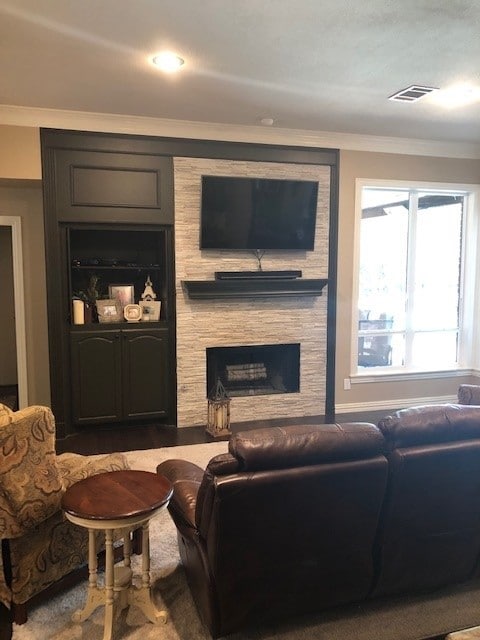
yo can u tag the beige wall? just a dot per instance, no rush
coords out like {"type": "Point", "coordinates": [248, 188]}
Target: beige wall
{"type": "Point", "coordinates": [355, 165]}
{"type": "Point", "coordinates": [20, 153]}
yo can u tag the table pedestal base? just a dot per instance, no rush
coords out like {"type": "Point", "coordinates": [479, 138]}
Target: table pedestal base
{"type": "Point", "coordinates": [118, 592]}
{"type": "Point", "coordinates": [141, 597]}
{"type": "Point", "coordinates": [121, 501]}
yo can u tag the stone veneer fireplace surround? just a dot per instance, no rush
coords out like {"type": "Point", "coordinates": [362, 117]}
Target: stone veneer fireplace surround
{"type": "Point", "coordinates": [202, 324]}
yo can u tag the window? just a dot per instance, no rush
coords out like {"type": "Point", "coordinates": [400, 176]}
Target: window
{"type": "Point", "coordinates": [410, 279]}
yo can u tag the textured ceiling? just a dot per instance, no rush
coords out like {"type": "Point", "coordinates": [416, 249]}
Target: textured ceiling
{"type": "Point", "coordinates": [318, 65]}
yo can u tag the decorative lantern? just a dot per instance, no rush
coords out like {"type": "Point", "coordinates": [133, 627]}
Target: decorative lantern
{"type": "Point", "coordinates": [218, 418]}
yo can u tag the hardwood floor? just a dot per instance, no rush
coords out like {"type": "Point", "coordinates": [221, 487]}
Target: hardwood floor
{"type": "Point", "coordinates": [130, 438]}
{"type": "Point", "coordinates": [5, 623]}
{"type": "Point", "coordinates": [109, 439]}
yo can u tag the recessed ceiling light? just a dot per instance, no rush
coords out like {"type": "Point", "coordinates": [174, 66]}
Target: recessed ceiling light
{"type": "Point", "coordinates": [459, 95]}
{"type": "Point", "coordinates": [267, 121]}
{"type": "Point", "coordinates": [168, 61]}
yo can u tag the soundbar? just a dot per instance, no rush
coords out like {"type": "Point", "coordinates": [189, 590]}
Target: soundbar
{"type": "Point", "coordinates": [257, 275]}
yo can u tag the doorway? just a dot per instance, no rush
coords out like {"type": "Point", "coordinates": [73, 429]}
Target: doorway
{"type": "Point", "coordinates": [13, 318]}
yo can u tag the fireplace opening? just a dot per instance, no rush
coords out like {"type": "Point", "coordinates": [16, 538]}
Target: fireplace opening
{"type": "Point", "coordinates": [255, 370]}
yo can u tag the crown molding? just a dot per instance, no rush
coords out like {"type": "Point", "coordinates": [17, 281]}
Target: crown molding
{"type": "Point", "coordinates": [140, 125]}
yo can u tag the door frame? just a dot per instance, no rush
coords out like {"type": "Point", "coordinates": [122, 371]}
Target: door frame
{"type": "Point", "coordinates": [15, 224]}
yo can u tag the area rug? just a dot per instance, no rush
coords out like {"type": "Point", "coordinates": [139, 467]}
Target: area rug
{"type": "Point", "coordinates": [393, 619]}
{"type": "Point", "coordinates": [467, 634]}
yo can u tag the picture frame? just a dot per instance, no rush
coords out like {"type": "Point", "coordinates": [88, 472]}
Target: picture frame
{"type": "Point", "coordinates": [109, 311]}
{"type": "Point", "coordinates": [132, 312]}
{"type": "Point", "coordinates": [150, 310]}
{"type": "Point", "coordinates": [123, 293]}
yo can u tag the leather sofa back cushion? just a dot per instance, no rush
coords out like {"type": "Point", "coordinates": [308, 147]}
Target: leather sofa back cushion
{"type": "Point", "coordinates": [293, 446]}
{"type": "Point", "coordinates": [431, 424]}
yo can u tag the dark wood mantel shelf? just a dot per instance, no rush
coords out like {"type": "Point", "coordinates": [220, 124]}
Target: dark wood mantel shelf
{"type": "Point", "coordinates": [254, 288]}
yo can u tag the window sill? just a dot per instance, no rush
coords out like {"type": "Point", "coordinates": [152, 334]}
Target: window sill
{"type": "Point", "coordinates": [397, 376]}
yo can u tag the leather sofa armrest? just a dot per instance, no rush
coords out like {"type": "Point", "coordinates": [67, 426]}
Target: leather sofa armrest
{"type": "Point", "coordinates": [469, 394]}
{"type": "Point", "coordinates": [186, 478]}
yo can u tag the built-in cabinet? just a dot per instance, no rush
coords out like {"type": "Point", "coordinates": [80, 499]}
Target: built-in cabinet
{"type": "Point", "coordinates": [108, 223]}
{"type": "Point", "coordinates": [119, 374]}
{"type": "Point", "coordinates": [92, 186]}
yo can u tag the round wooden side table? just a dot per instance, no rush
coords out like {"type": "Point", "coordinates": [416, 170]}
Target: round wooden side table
{"type": "Point", "coordinates": [117, 500]}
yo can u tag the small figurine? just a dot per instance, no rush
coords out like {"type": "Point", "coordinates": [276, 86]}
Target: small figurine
{"type": "Point", "coordinates": [151, 308]}
{"type": "Point", "coordinates": [149, 293]}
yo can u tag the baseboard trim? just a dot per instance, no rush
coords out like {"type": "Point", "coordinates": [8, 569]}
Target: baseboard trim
{"type": "Point", "coordinates": [400, 403]}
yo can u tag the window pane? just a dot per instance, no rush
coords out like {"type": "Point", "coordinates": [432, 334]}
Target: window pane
{"type": "Point", "coordinates": [398, 350]}
{"type": "Point", "coordinates": [434, 349]}
{"type": "Point", "coordinates": [409, 278]}
{"type": "Point", "coordinates": [375, 351]}
{"type": "Point", "coordinates": [437, 262]}
{"type": "Point", "coordinates": [383, 256]}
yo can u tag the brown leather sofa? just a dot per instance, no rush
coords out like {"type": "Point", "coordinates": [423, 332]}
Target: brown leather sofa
{"type": "Point", "coordinates": [429, 533]}
{"type": "Point", "coordinates": [300, 519]}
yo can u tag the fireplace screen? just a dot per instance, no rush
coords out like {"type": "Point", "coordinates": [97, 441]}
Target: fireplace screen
{"type": "Point", "coordinates": [255, 370]}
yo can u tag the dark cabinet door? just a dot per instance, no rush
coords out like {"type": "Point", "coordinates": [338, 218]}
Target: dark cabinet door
{"type": "Point", "coordinates": [145, 372]}
{"type": "Point", "coordinates": [96, 376]}
{"type": "Point", "coordinates": [92, 186]}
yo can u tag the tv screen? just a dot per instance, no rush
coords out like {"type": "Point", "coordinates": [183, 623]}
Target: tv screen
{"type": "Point", "coordinates": [258, 213]}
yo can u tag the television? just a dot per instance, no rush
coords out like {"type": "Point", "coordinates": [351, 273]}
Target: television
{"type": "Point", "coordinates": [258, 213]}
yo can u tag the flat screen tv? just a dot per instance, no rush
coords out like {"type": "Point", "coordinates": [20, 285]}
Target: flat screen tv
{"type": "Point", "coordinates": [258, 213]}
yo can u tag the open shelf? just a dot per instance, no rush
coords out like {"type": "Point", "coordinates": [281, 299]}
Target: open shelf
{"type": "Point", "coordinates": [256, 288]}
{"type": "Point", "coordinates": [116, 267]}
{"type": "Point", "coordinates": [112, 255]}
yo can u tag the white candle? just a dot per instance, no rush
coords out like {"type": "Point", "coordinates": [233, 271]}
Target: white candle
{"type": "Point", "coordinates": [218, 419]}
{"type": "Point", "coordinates": [78, 312]}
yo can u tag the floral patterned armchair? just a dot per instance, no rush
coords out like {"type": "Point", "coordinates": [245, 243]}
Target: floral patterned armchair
{"type": "Point", "coordinates": [39, 546]}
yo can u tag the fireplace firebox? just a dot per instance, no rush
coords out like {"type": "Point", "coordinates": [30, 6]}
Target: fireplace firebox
{"type": "Point", "coordinates": [255, 370]}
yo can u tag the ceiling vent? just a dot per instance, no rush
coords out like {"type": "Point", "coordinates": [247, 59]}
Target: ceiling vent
{"type": "Point", "coordinates": [412, 94]}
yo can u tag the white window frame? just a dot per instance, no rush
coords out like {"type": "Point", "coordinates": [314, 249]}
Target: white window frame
{"type": "Point", "coordinates": [469, 332]}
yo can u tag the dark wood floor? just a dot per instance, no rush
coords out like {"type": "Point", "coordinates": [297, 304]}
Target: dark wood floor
{"type": "Point", "coordinates": [109, 439]}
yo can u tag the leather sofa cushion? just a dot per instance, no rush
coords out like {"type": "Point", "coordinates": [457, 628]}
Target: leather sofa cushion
{"type": "Point", "coordinates": [293, 446]}
{"type": "Point", "coordinates": [431, 424]}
